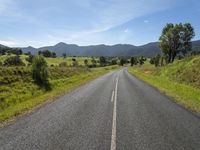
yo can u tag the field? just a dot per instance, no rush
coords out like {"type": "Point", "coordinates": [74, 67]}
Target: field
{"type": "Point", "coordinates": [54, 61]}
{"type": "Point", "coordinates": [19, 93]}
{"type": "Point", "coordinates": [180, 80]}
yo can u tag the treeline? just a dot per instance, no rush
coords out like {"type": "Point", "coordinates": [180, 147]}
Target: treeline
{"type": "Point", "coordinates": [8, 50]}
{"type": "Point", "coordinates": [47, 53]}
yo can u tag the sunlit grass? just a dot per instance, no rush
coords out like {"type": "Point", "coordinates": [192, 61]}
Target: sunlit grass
{"type": "Point", "coordinates": [18, 92]}
{"type": "Point", "coordinates": [179, 80]}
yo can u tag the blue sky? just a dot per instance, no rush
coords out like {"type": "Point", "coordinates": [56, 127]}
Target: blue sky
{"type": "Point", "coordinates": [90, 22]}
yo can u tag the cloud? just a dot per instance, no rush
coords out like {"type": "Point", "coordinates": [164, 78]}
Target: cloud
{"type": "Point", "coordinates": [82, 21]}
{"type": "Point", "coordinates": [146, 21]}
{"type": "Point", "coordinates": [8, 43]}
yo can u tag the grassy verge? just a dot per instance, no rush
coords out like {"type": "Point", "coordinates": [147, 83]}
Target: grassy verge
{"type": "Point", "coordinates": [184, 94]}
{"type": "Point", "coordinates": [60, 86]}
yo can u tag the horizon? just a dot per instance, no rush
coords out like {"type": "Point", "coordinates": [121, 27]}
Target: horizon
{"type": "Point", "coordinates": [89, 22]}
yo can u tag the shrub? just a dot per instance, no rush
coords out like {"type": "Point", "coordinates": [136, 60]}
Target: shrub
{"type": "Point", "coordinates": [13, 61]}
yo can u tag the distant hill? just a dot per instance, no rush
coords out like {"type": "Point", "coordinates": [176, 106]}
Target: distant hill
{"type": "Point", "coordinates": [147, 50]}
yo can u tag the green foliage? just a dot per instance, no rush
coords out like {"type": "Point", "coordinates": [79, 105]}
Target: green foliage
{"type": "Point", "coordinates": [156, 60]}
{"type": "Point", "coordinates": [86, 62]}
{"type": "Point", "coordinates": [175, 39]}
{"type": "Point", "coordinates": [134, 61]}
{"type": "Point", "coordinates": [13, 61]}
{"type": "Point", "coordinates": [102, 61]}
{"type": "Point", "coordinates": [122, 61]}
{"type": "Point", "coordinates": [113, 61]}
{"type": "Point", "coordinates": [19, 93]}
{"type": "Point", "coordinates": [47, 53]}
{"type": "Point", "coordinates": [142, 60]}
{"type": "Point", "coordinates": [74, 62]}
{"type": "Point", "coordinates": [8, 50]}
{"type": "Point", "coordinates": [40, 72]}
{"type": "Point", "coordinates": [180, 80]}
{"type": "Point", "coordinates": [94, 63]}
{"type": "Point", "coordinates": [195, 53]}
{"type": "Point", "coordinates": [29, 59]}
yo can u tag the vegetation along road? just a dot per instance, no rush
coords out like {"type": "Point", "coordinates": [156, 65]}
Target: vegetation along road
{"type": "Point", "coordinates": [115, 111]}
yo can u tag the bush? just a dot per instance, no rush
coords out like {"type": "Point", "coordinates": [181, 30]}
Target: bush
{"type": "Point", "coordinates": [14, 61]}
{"type": "Point", "coordinates": [40, 72]}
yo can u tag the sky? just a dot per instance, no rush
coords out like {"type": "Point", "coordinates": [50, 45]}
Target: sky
{"type": "Point", "coordinates": [90, 22]}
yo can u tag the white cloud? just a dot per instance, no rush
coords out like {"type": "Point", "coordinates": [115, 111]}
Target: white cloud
{"type": "Point", "coordinates": [146, 21]}
{"type": "Point", "coordinates": [8, 43]}
{"type": "Point", "coordinates": [103, 16]}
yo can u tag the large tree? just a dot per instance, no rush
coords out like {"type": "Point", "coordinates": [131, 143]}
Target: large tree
{"type": "Point", "coordinates": [175, 39]}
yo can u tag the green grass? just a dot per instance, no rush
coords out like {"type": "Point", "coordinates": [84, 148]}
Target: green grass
{"type": "Point", "coordinates": [58, 60]}
{"type": "Point", "coordinates": [179, 80]}
{"type": "Point", "coordinates": [18, 93]}
{"type": "Point", "coordinates": [53, 61]}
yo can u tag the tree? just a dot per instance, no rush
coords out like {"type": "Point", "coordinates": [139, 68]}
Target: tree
{"type": "Point", "coordinates": [64, 55]}
{"type": "Point", "coordinates": [40, 72]}
{"type": "Point", "coordinates": [14, 61]}
{"type": "Point", "coordinates": [46, 53]}
{"type": "Point", "coordinates": [8, 50]}
{"type": "Point", "coordinates": [114, 61]}
{"type": "Point", "coordinates": [175, 39]}
{"type": "Point", "coordinates": [133, 61]}
{"type": "Point", "coordinates": [122, 61]}
{"type": "Point", "coordinates": [39, 52]}
{"type": "Point", "coordinates": [188, 34]}
{"type": "Point", "coordinates": [53, 55]}
{"type": "Point", "coordinates": [141, 60]}
{"type": "Point", "coordinates": [157, 60]}
{"type": "Point", "coordinates": [102, 61]}
{"type": "Point", "coordinates": [74, 62]}
{"type": "Point", "coordinates": [86, 62]}
{"type": "Point", "coordinates": [94, 62]}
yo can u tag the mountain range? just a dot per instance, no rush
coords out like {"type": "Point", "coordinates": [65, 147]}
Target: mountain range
{"type": "Point", "coordinates": [147, 50]}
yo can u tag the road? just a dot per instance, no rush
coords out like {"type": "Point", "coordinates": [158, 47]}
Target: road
{"type": "Point", "coordinates": [115, 111]}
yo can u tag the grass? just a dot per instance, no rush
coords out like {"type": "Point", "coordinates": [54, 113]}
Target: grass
{"type": "Point", "coordinates": [18, 93]}
{"type": "Point", "coordinates": [179, 80]}
{"type": "Point", "coordinates": [53, 61]}
{"type": "Point", "coordinates": [58, 60]}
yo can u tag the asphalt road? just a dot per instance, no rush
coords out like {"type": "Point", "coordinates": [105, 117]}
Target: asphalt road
{"type": "Point", "coordinates": [115, 111]}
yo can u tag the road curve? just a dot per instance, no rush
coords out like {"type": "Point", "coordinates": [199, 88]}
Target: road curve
{"type": "Point", "coordinates": [115, 111]}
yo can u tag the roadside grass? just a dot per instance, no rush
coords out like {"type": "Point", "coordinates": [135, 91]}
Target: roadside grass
{"type": "Point", "coordinates": [20, 94]}
{"type": "Point", "coordinates": [179, 80]}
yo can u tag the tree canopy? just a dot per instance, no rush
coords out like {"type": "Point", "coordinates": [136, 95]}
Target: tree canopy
{"type": "Point", "coordinates": [176, 38]}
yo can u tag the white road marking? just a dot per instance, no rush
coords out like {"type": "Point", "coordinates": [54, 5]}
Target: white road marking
{"type": "Point", "coordinates": [112, 98]}
{"type": "Point", "coordinates": [113, 138]}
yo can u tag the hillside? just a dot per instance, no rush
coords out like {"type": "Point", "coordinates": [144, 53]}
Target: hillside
{"type": "Point", "coordinates": [181, 80]}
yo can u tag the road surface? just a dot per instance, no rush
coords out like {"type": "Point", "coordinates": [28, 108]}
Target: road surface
{"type": "Point", "coordinates": [115, 111]}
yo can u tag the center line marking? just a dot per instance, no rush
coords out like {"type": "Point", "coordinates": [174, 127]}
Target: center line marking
{"type": "Point", "coordinates": [113, 138]}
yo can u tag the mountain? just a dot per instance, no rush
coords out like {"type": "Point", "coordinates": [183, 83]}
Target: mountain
{"type": "Point", "coordinates": [29, 49]}
{"type": "Point", "coordinates": [147, 50]}
{"type": "Point", "coordinates": [2, 45]}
